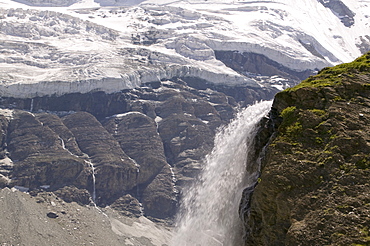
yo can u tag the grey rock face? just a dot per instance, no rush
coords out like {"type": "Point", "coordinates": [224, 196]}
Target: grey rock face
{"type": "Point", "coordinates": [251, 63]}
{"type": "Point", "coordinates": [341, 10]}
{"type": "Point", "coordinates": [364, 44]}
{"type": "Point", "coordinates": [128, 148]}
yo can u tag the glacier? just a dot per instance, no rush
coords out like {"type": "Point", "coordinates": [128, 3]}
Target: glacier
{"type": "Point", "coordinates": [60, 47]}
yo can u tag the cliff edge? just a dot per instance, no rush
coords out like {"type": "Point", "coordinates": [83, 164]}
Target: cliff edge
{"type": "Point", "coordinates": [314, 189]}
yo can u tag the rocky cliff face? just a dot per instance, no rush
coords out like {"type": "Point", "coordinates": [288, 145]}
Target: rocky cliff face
{"type": "Point", "coordinates": [314, 189]}
{"type": "Point", "coordinates": [133, 150]}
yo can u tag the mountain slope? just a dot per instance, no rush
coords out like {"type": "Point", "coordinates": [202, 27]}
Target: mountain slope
{"type": "Point", "coordinates": [116, 103]}
{"type": "Point", "coordinates": [314, 187]}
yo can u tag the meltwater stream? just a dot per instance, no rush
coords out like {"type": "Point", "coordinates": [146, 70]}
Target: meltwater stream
{"type": "Point", "coordinates": [209, 214]}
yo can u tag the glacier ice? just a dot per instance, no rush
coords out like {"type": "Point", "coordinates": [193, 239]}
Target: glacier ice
{"type": "Point", "coordinates": [81, 47]}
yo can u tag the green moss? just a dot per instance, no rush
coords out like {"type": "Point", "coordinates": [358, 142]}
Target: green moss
{"type": "Point", "coordinates": [328, 152]}
{"type": "Point", "coordinates": [363, 163]}
{"type": "Point", "coordinates": [338, 99]}
{"type": "Point", "coordinates": [331, 76]}
{"type": "Point", "coordinates": [365, 235]}
{"type": "Point", "coordinates": [288, 112]}
{"type": "Point", "coordinates": [337, 235]}
{"type": "Point", "coordinates": [289, 116]}
{"type": "Point", "coordinates": [318, 140]}
{"type": "Point", "coordinates": [365, 231]}
{"type": "Point", "coordinates": [290, 128]}
{"type": "Point", "coordinates": [318, 112]}
{"type": "Point", "coordinates": [346, 167]}
{"type": "Point", "coordinates": [345, 206]}
{"type": "Point", "coordinates": [329, 211]}
{"type": "Point", "coordinates": [294, 130]}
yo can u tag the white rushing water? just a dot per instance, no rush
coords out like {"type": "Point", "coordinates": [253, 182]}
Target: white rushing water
{"type": "Point", "coordinates": [209, 214]}
{"type": "Point", "coordinates": [93, 196]}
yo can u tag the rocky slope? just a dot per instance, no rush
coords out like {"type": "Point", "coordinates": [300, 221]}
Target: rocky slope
{"type": "Point", "coordinates": [314, 189]}
{"type": "Point", "coordinates": [45, 219]}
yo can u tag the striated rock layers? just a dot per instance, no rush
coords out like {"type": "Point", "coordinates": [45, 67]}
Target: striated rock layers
{"type": "Point", "coordinates": [131, 150]}
{"type": "Point", "coordinates": [314, 187]}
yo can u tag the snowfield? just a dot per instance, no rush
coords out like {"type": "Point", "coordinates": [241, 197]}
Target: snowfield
{"type": "Point", "coordinates": [54, 47]}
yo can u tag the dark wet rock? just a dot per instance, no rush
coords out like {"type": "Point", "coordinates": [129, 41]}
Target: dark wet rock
{"type": "Point", "coordinates": [176, 104]}
{"type": "Point", "coordinates": [3, 130]}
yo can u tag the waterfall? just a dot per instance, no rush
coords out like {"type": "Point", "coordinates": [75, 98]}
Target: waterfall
{"type": "Point", "coordinates": [174, 180]}
{"type": "Point", "coordinates": [209, 209]}
{"type": "Point", "coordinates": [88, 162]}
{"type": "Point", "coordinates": [31, 107]}
{"type": "Point", "coordinates": [93, 179]}
{"type": "Point", "coordinates": [63, 144]}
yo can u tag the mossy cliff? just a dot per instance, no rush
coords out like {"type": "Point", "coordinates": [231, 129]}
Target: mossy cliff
{"type": "Point", "coordinates": [314, 187]}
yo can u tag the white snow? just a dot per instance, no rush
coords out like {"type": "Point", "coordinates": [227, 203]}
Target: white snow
{"type": "Point", "coordinates": [110, 45]}
{"type": "Point", "coordinates": [20, 188]}
{"type": "Point", "coordinates": [158, 119]}
{"type": "Point", "coordinates": [127, 113]}
{"type": "Point", "coordinates": [8, 113]}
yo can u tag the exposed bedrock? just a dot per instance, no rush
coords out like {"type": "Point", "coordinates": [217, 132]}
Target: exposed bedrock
{"type": "Point", "coordinates": [140, 146]}
{"type": "Point", "coordinates": [38, 157]}
{"type": "Point", "coordinates": [342, 11]}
